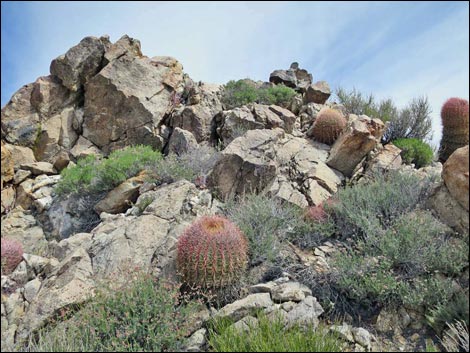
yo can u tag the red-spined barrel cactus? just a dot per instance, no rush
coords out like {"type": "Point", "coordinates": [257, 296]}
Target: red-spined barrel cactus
{"type": "Point", "coordinates": [316, 214]}
{"type": "Point", "coordinates": [328, 126]}
{"type": "Point", "coordinates": [212, 253]}
{"type": "Point", "coordinates": [455, 129]}
{"type": "Point", "coordinates": [12, 254]}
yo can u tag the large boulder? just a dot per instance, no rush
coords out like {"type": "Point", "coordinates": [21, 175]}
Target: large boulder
{"type": "Point", "coordinates": [49, 96]}
{"type": "Point", "coordinates": [121, 197]}
{"type": "Point", "coordinates": [8, 171]}
{"type": "Point", "coordinates": [386, 158]}
{"type": "Point", "coordinates": [247, 164]}
{"type": "Point", "coordinates": [294, 77]}
{"type": "Point", "coordinates": [318, 93]}
{"type": "Point", "coordinates": [449, 210]}
{"type": "Point", "coordinates": [20, 121]}
{"type": "Point", "coordinates": [22, 226]}
{"type": "Point", "coordinates": [148, 240]}
{"type": "Point", "coordinates": [235, 122]}
{"type": "Point", "coordinates": [80, 63]}
{"type": "Point", "coordinates": [286, 77]}
{"type": "Point", "coordinates": [290, 168]}
{"type": "Point", "coordinates": [360, 137]}
{"type": "Point", "coordinates": [20, 155]}
{"type": "Point", "coordinates": [57, 134]}
{"type": "Point", "coordinates": [127, 101]}
{"type": "Point", "coordinates": [203, 103]}
{"type": "Point", "coordinates": [455, 174]}
{"type": "Point", "coordinates": [70, 283]}
{"type": "Point", "coordinates": [181, 141]}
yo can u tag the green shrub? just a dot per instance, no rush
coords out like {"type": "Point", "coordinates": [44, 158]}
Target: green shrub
{"type": "Point", "coordinates": [399, 265]}
{"type": "Point", "coordinates": [413, 121]}
{"type": "Point", "coordinates": [279, 95]}
{"type": "Point", "coordinates": [78, 177]}
{"type": "Point", "coordinates": [193, 166]}
{"type": "Point", "coordinates": [417, 243]}
{"type": "Point", "coordinates": [267, 222]}
{"type": "Point", "coordinates": [415, 151]}
{"type": "Point", "coordinates": [270, 336]}
{"type": "Point", "coordinates": [238, 93]}
{"type": "Point", "coordinates": [92, 175]}
{"type": "Point", "coordinates": [242, 92]}
{"type": "Point", "coordinates": [371, 207]}
{"type": "Point", "coordinates": [143, 315]}
{"type": "Point", "coordinates": [456, 309]}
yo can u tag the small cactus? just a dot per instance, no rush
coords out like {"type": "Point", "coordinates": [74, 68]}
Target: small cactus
{"type": "Point", "coordinates": [12, 254]}
{"type": "Point", "coordinates": [328, 126]}
{"type": "Point", "coordinates": [212, 253]}
{"type": "Point", "coordinates": [316, 214]}
{"type": "Point", "coordinates": [455, 123]}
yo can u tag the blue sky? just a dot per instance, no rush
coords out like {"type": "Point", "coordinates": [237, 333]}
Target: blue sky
{"type": "Point", "coordinates": [397, 50]}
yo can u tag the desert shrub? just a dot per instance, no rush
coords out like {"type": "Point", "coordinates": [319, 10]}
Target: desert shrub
{"type": "Point", "coordinates": [371, 207]}
{"type": "Point", "coordinates": [398, 266]}
{"type": "Point", "coordinates": [238, 93]}
{"type": "Point", "coordinates": [78, 177]}
{"type": "Point", "coordinates": [415, 151]}
{"type": "Point", "coordinates": [279, 95]}
{"type": "Point", "coordinates": [242, 92]}
{"type": "Point", "coordinates": [455, 123]}
{"type": "Point", "coordinates": [270, 336]}
{"type": "Point", "coordinates": [193, 166]}
{"type": "Point", "coordinates": [267, 222]}
{"type": "Point", "coordinates": [328, 126]}
{"type": "Point", "coordinates": [211, 253]}
{"type": "Point", "coordinates": [92, 175]}
{"type": "Point", "coordinates": [413, 121]}
{"type": "Point", "coordinates": [144, 314]}
{"type": "Point", "coordinates": [443, 314]}
{"type": "Point", "coordinates": [418, 243]}
{"type": "Point", "coordinates": [12, 254]}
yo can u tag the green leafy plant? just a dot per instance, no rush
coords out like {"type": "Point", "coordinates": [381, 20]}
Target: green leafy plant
{"type": "Point", "coordinates": [371, 207]}
{"type": "Point", "coordinates": [413, 121]}
{"type": "Point", "coordinates": [267, 222]}
{"type": "Point", "coordinates": [242, 92]}
{"type": "Point", "coordinates": [92, 175]}
{"type": "Point", "coordinates": [415, 151]}
{"type": "Point", "coordinates": [269, 335]}
{"type": "Point", "coordinates": [141, 315]}
{"type": "Point", "coordinates": [211, 253]}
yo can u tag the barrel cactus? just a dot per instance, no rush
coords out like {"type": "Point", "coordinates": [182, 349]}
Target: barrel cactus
{"type": "Point", "coordinates": [12, 254]}
{"type": "Point", "coordinates": [328, 126]}
{"type": "Point", "coordinates": [455, 132]}
{"type": "Point", "coordinates": [211, 253]}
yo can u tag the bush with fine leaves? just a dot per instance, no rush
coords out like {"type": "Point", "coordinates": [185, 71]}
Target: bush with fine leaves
{"type": "Point", "coordinates": [142, 315]}
{"type": "Point", "coordinates": [413, 121]}
{"type": "Point", "coordinates": [415, 151]}
{"type": "Point", "coordinates": [371, 207]}
{"type": "Point", "coordinates": [242, 92]}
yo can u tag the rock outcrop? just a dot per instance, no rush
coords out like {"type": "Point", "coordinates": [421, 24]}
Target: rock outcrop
{"type": "Point", "coordinates": [288, 167]}
{"type": "Point", "coordinates": [361, 136]}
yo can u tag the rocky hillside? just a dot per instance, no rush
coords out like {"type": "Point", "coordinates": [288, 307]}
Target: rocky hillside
{"type": "Point", "coordinates": [110, 161]}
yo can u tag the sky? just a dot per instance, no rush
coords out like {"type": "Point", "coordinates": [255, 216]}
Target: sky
{"type": "Point", "coordinates": [397, 50]}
